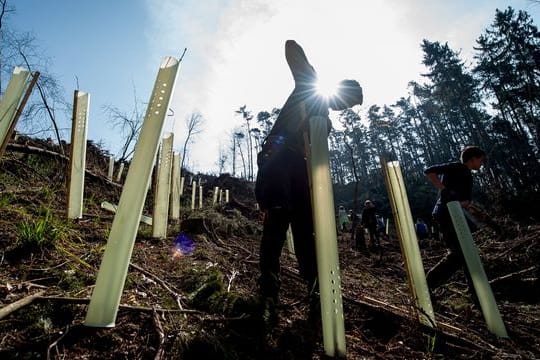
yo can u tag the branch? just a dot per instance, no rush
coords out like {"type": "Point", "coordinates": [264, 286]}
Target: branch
{"type": "Point", "coordinates": [6, 310]}
{"type": "Point", "coordinates": [27, 149]}
{"type": "Point", "coordinates": [47, 107]}
{"type": "Point", "coordinates": [511, 275]}
{"type": "Point", "coordinates": [161, 282]}
{"type": "Point", "coordinates": [161, 333]}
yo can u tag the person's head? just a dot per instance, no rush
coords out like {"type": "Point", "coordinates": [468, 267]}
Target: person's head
{"type": "Point", "coordinates": [368, 203]}
{"type": "Point", "coordinates": [348, 94]}
{"type": "Point", "coordinates": [472, 156]}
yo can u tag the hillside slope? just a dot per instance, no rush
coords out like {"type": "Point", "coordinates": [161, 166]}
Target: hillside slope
{"type": "Point", "coordinates": [203, 306]}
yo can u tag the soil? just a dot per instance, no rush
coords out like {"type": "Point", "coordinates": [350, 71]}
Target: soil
{"type": "Point", "coordinates": [204, 305]}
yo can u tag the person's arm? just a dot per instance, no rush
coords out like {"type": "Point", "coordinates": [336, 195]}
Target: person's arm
{"type": "Point", "coordinates": [435, 180]}
{"type": "Point", "coordinates": [301, 69]}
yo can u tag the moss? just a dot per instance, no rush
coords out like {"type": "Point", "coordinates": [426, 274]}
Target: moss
{"type": "Point", "coordinates": [205, 346]}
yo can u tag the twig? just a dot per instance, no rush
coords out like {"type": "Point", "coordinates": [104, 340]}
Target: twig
{"type": "Point", "coordinates": [75, 300]}
{"type": "Point", "coordinates": [161, 282]}
{"type": "Point", "coordinates": [444, 329]}
{"type": "Point", "coordinates": [55, 343]}
{"type": "Point", "coordinates": [231, 278]}
{"type": "Point", "coordinates": [511, 275]}
{"type": "Point", "coordinates": [6, 310]}
{"type": "Point", "coordinates": [512, 248]}
{"type": "Point", "coordinates": [161, 333]}
{"type": "Point", "coordinates": [219, 319]}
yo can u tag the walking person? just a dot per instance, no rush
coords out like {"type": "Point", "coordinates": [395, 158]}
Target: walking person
{"type": "Point", "coordinates": [369, 221]}
{"type": "Point", "coordinates": [455, 182]}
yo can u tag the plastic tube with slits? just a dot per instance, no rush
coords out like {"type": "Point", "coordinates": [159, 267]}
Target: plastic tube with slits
{"type": "Point", "coordinates": [480, 281]}
{"type": "Point", "coordinates": [326, 240]}
{"type": "Point", "coordinates": [114, 266]}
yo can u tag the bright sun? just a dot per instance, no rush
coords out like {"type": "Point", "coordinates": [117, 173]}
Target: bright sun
{"type": "Point", "coordinates": [326, 88]}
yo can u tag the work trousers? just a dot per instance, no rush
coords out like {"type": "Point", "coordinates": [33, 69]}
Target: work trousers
{"type": "Point", "coordinates": [282, 190]}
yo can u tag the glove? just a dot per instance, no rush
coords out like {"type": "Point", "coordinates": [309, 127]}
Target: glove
{"type": "Point", "coordinates": [448, 195]}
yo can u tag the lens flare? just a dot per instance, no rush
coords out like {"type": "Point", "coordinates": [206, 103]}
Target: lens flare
{"type": "Point", "coordinates": [183, 245]}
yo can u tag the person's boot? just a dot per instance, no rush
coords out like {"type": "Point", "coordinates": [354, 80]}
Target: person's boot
{"type": "Point", "coordinates": [314, 298]}
{"type": "Point", "coordinates": [269, 315]}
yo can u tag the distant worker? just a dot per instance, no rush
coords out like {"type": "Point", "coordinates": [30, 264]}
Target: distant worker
{"type": "Point", "coordinates": [343, 219]}
{"type": "Point", "coordinates": [369, 221]}
{"type": "Point", "coordinates": [455, 182]}
{"type": "Point", "coordinates": [282, 188]}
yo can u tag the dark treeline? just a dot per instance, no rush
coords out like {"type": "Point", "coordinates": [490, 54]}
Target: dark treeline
{"type": "Point", "coordinates": [493, 103]}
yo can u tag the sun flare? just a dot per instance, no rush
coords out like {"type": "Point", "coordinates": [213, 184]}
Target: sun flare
{"type": "Point", "coordinates": [326, 88]}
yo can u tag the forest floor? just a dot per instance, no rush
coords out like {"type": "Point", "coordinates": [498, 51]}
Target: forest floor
{"type": "Point", "coordinates": [203, 305]}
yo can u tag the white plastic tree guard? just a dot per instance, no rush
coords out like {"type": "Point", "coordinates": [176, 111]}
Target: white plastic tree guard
{"type": "Point", "coordinates": [486, 298]}
{"type": "Point", "coordinates": [77, 159]}
{"type": "Point", "coordinates": [175, 188]}
{"type": "Point", "coordinates": [111, 168]}
{"type": "Point", "coordinates": [290, 242]}
{"type": "Point", "coordinates": [182, 179]}
{"type": "Point", "coordinates": [112, 208]}
{"type": "Point", "coordinates": [120, 171]}
{"type": "Point", "coordinates": [200, 196]}
{"type": "Point", "coordinates": [193, 192]}
{"type": "Point", "coordinates": [215, 195]}
{"type": "Point", "coordinates": [226, 196]}
{"type": "Point", "coordinates": [409, 243]}
{"type": "Point", "coordinates": [11, 100]}
{"type": "Point", "coordinates": [114, 267]}
{"type": "Point", "coordinates": [163, 187]}
{"type": "Point", "coordinates": [326, 240]}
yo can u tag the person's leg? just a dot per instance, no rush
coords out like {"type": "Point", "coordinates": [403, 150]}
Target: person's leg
{"type": "Point", "coordinates": [304, 244]}
{"type": "Point", "coordinates": [360, 239]}
{"type": "Point", "coordinates": [303, 234]}
{"type": "Point", "coordinates": [443, 270]}
{"type": "Point", "coordinates": [274, 235]}
{"type": "Point", "coordinates": [374, 236]}
{"type": "Point", "coordinates": [449, 264]}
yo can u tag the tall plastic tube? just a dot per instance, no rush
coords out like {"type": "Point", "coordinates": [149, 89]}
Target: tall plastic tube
{"type": "Point", "coordinates": [409, 243]}
{"type": "Point", "coordinates": [486, 298]}
{"type": "Point", "coordinates": [114, 266]}
{"type": "Point", "coordinates": [163, 187]}
{"type": "Point", "coordinates": [326, 240]}
{"type": "Point", "coordinates": [77, 159]}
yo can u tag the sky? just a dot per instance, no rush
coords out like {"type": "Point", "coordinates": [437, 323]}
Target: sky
{"type": "Point", "coordinates": [235, 52]}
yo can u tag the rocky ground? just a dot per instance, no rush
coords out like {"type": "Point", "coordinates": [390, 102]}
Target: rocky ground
{"type": "Point", "coordinates": [203, 306]}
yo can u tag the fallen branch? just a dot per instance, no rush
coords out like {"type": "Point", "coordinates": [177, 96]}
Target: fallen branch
{"type": "Point", "coordinates": [444, 330]}
{"type": "Point", "coordinates": [55, 344]}
{"type": "Point", "coordinates": [514, 246]}
{"type": "Point", "coordinates": [6, 310]}
{"type": "Point", "coordinates": [161, 282]}
{"type": "Point", "coordinates": [28, 149]}
{"type": "Point", "coordinates": [161, 333]}
{"type": "Point", "coordinates": [511, 275]}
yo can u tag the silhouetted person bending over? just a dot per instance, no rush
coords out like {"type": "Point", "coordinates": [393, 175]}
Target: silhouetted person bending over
{"type": "Point", "coordinates": [455, 182]}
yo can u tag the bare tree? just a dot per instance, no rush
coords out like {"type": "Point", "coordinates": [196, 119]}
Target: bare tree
{"type": "Point", "coordinates": [222, 159]}
{"type": "Point", "coordinates": [129, 124]}
{"type": "Point", "coordinates": [247, 116]}
{"type": "Point", "coordinates": [238, 136]}
{"type": "Point", "coordinates": [194, 123]}
{"type": "Point", "coordinates": [21, 50]}
{"type": "Point", "coordinates": [5, 10]}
